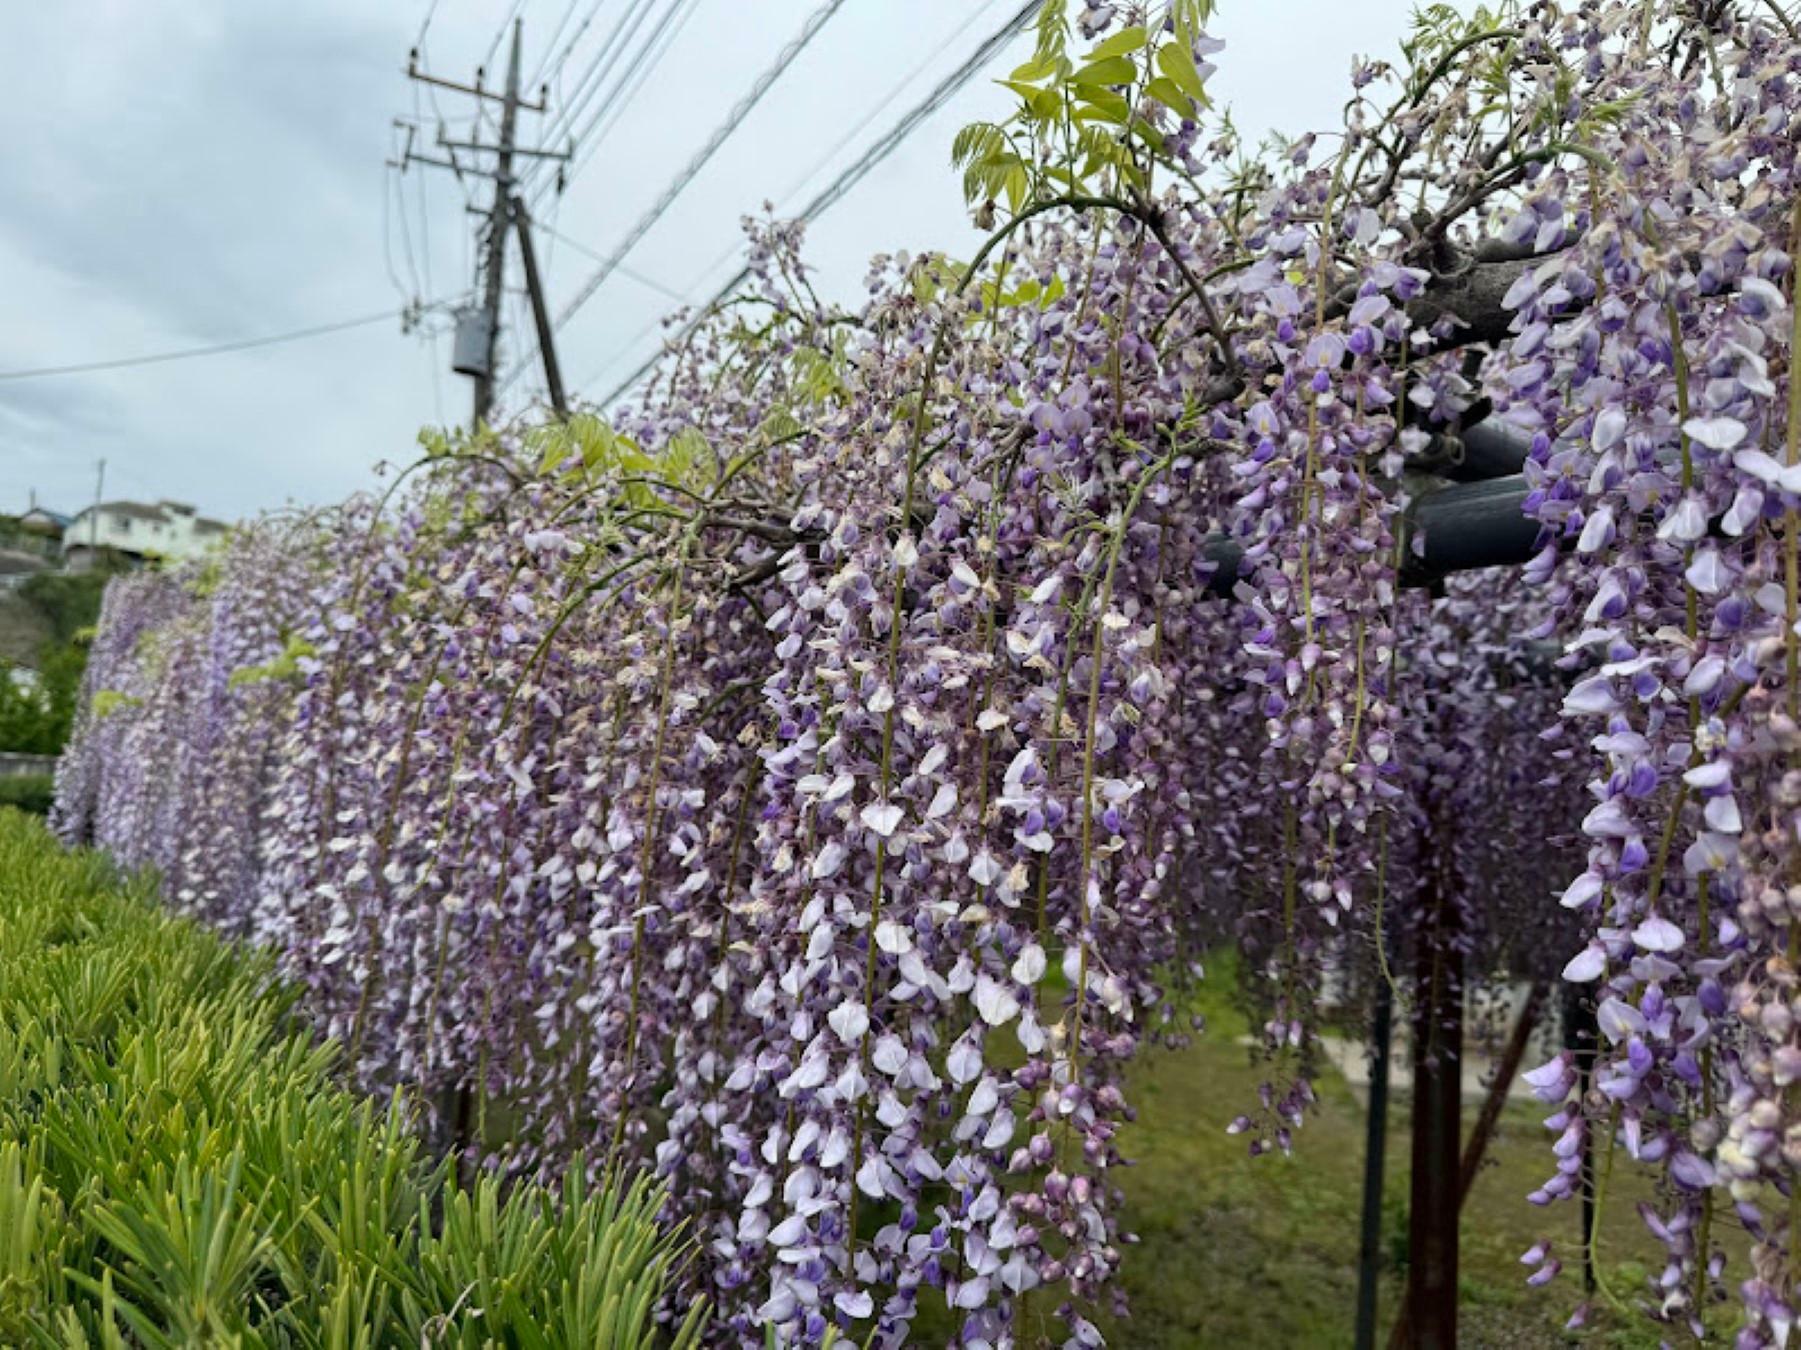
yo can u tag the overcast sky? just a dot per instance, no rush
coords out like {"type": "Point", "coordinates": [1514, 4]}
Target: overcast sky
{"type": "Point", "coordinates": [186, 174]}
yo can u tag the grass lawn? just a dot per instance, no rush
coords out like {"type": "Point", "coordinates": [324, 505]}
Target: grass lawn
{"type": "Point", "coordinates": [1262, 1252]}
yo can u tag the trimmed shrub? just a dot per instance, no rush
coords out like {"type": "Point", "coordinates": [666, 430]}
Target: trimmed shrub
{"type": "Point", "coordinates": [178, 1166]}
{"type": "Point", "coordinates": [32, 792]}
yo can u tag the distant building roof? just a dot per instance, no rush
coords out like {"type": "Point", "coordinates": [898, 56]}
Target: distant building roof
{"type": "Point", "coordinates": [46, 515]}
{"type": "Point", "coordinates": [133, 510]}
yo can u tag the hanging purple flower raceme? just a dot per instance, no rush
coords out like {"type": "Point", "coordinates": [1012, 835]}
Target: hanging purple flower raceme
{"type": "Point", "coordinates": [817, 783]}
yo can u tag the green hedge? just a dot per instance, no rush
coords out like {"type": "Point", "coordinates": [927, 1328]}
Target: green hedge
{"type": "Point", "coordinates": [37, 720]}
{"type": "Point", "coordinates": [69, 601]}
{"type": "Point", "coordinates": [178, 1167]}
{"type": "Point", "coordinates": [31, 792]}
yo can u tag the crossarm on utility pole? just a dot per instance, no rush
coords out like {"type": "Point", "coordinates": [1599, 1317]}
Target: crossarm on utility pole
{"type": "Point", "coordinates": [474, 91]}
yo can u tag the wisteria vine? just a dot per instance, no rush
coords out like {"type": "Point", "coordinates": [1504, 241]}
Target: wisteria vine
{"type": "Point", "coordinates": [816, 782]}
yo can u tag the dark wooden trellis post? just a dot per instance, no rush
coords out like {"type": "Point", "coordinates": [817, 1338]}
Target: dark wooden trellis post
{"type": "Point", "coordinates": [1436, 1181]}
{"type": "Point", "coordinates": [1579, 1036]}
{"type": "Point", "coordinates": [1481, 1134]}
{"type": "Point", "coordinates": [1369, 1255]}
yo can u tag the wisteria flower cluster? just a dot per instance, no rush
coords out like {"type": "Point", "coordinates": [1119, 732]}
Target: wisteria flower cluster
{"type": "Point", "coordinates": [817, 782]}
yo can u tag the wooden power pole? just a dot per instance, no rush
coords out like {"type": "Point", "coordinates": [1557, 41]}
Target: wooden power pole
{"type": "Point", "coordinates": [480, 359]}
{"type": "Point", "coordinates": [494, 271]}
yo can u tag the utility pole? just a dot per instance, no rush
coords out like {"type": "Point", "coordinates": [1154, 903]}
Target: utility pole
{"type": "Point", "coordinates": [478, 335]}
{"type": "Point", "coordinates": [547, 348]}
{"type": "Point", "coordinates": [497, 231]}
{"type": "Point", "coordinates": [94, 520]}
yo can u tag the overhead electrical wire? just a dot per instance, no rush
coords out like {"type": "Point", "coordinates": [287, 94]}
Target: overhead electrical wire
{"type": "Point", "coordinates": [387, 231]}
{"type": "Point", "coordinates": [555, 71]}
{"type": "Point", "coordinates": [540, 75]}
{"type": "Point", "coordinates": [616, 99]}
{"type": "Point", "coordinates": [559, 115]}
{"type": "Point", "coordinates": [607, 115]}
{"type": "Point", "coordinates": [721, 134]}
{"type": "Point", "coordinates": [836, 190]}
{"type": "Point", "coordinates": [624, 270]}
{"type": "Point", "coordinates": [599, 68]}
{"type": "Point", "coordinates": [857, 129]}
{"type": "Point", "coordinates": [942, 94]}
{"type": "Point", "coordinates": [420, 196]}
{"type": "Point", "coordinates": [431, 9]}
{"type": "Point", "coordinates": [607, 64]}
{"type": "Point", "coordinates": [690, 171]}
{"type": "Point", "coordinates": [216, 349]}
{"type": "Point", "coordinates": [406, 233]}
{"type": "Point", "coordinates": [501, 32]}
{"type": "Point", "coordinates": [612, 109]}
{"type": "Point", "coordinates": [731, 250]}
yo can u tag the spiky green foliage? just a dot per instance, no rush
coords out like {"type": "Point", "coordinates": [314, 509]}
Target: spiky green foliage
{"type": "Point", "coordinates": [179, 1168]}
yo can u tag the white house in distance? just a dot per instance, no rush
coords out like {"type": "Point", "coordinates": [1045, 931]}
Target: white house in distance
{"type": "Point", "coordinates": [167, 530]}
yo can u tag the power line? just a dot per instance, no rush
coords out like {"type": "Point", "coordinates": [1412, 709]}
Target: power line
{"type": "Point", "coordinates": [624, 269]}
{"type": "Point", "coordinates": [501, 32]}
{"type": "Point", "coordinates": [540, 76]}
{"type": "Point", "coordinates": [836, 190]}
{"type": "Point", "coordinates": [862, 123]}
{"type": "Point", "coordinates": [556, 71]}
{"type": "Point", "coordinates": [424, 230]}
{"type": "Point", "coordinates": [387, 230]}
{"type": "Point", "coordinates": [217, 349]}
{"type": "Point", "coordinates": [406, 235]}
{"type": "Point", "coordinates": [942, 94]}
{"type": "Point", "coordinates": [734, 119]}
{"type": "Point", "coordinates": [425, 23]}
{"type": "Point", "coordinates": [424, 239]}
{"type": "Point", "coordinates": [595, 74]}
{"type": "Point", "coordinates": [731, 250]}
{"type": "Point", "coordinates": [614, 106]}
